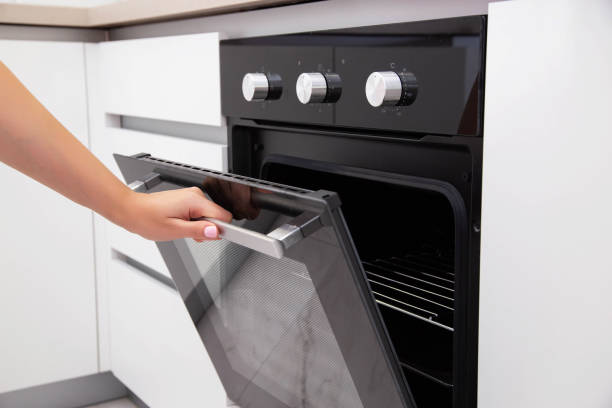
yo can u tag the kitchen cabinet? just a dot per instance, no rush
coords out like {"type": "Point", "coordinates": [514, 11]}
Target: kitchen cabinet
{"type": "Point", "coordinates": [146, 336]}
{"type": "Point", "coordinates": [169, 78]}
{"type": "Point", "coordinates": [155, 348]}
{"type": "Point", "coordinates": [546, 270]}
{"type": "Point", "coordinates": [47, 278]}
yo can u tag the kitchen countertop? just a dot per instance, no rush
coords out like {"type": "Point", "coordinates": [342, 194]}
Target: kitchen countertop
{"type": "Point", "coordinates": [306, 16]}
{"type": "Point", "coordinates": [123, 12]}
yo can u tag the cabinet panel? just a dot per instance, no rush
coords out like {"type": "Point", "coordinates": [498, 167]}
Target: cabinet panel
{"type": "Point", "coordinates": [155, 349]}
{"type": "Point", "coordinates": [171, 78]}
{"type": "Point", "coordinates": [545, 281]}
{"type": "Point", "coordinates": [47, 277]}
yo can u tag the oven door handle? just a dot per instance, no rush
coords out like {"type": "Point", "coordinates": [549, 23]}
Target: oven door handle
{"type": "Point", "coordinates": [273, 244]}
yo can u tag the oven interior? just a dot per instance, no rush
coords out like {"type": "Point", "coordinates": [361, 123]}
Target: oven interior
{"type": "Point", "coordinates": [405, 237]}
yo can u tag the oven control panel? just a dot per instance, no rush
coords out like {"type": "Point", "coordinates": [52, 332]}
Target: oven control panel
{"type": "Point", "coordinates": [399, 77]}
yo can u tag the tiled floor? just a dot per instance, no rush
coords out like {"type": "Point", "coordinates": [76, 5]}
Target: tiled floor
{"type": "Point", "coordinates": [120, 403]}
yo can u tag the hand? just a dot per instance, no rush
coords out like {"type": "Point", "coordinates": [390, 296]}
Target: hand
{"type": "Point", "coordinates": [235, 197]}
{"type": "Point", "coordinates": [167, 215]}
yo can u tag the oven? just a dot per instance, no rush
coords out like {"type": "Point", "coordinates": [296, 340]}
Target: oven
{"type": "Point", "coordinates": [349, 275]}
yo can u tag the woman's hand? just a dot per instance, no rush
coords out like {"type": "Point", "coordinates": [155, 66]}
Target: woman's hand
{"type": "Point", "coordinates": [235, 197]}
{"type": "Point", "coordinates": [168, 215]}
{"type": "Point", "coordinates": [35, 143]}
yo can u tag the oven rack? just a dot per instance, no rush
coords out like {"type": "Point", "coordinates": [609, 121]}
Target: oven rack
{"type": "Point", "coordinates": [418, 285]}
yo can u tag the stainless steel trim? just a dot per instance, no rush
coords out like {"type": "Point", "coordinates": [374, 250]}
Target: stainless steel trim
{"type": "Point", "coordinates": [149, 181]}
{"type": "Point", "coordinates": [250, 239]}
{"type": "Point", "coordinates": [273, 244]}
{"type": "Point", "coordinates": [137, 186]}
{"type": "Point", "coordinates": [288, 234]}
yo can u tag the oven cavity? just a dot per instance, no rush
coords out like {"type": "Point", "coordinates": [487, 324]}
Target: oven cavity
{"type": "Point", "coordinates": [405, 237]}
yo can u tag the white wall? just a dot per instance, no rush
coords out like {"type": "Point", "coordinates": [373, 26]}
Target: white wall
{"type": "Point", "coordinates": [546, 269]}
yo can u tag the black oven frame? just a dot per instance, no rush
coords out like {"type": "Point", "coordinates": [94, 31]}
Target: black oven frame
{"type": "Point", "coordinates": [450, 160]}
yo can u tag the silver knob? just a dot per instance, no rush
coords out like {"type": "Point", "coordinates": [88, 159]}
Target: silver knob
{"type": "Point", "coordinates": [311, 87]}
{"type": "Point", "coordinates": [255, 87]}
{"type": "Point", "coordinates": [383, 88]}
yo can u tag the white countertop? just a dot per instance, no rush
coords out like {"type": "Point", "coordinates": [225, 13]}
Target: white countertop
{"type": "Point", "coordinates": [122, 12]}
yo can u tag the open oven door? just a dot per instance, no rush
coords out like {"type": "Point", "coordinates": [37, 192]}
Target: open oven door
{"type": "Point", "coordinates": [281, 303]}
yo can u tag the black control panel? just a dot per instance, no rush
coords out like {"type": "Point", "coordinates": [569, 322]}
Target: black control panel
{"type": "Point", "coordinates": [424, 77]}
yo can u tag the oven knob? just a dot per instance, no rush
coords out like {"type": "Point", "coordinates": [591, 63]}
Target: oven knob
{"type": "Point", "coordinates": [391, 88]}
{"type": "Point", "coordinates": [316, 87]}
{"type": "Point", "coordinates": [260, 87]}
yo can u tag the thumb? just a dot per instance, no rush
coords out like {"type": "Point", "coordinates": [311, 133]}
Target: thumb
{"type": "Point", "coordinates": [198, 230]}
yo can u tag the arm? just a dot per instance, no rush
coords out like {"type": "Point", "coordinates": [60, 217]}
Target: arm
{"type": "Point", "coordinates": [35, 143]}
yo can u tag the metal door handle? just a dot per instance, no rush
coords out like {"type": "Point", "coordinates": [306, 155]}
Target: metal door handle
{"type": "Point", "coordinates": [273, 244]}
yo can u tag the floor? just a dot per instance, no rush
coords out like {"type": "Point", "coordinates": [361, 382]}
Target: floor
{"type": "Point", "coordinates": [120, 403]}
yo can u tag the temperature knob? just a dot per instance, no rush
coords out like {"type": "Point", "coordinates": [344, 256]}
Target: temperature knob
{"type": "Point", "coordinates": [316, 87]}
{"type": "Point", "coordinates": [389, 88]}
{"type": "Point", "coordinates": [260, 87]}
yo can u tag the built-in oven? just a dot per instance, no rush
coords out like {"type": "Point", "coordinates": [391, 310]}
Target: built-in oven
{"type": "Point", "coordinates": [349, 275]}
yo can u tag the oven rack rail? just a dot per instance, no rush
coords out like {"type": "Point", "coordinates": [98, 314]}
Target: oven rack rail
{"type": "Point", "coordinates": [417, 285]}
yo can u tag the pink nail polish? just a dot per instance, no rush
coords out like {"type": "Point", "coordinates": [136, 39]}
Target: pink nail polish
{"type": "Point", "coordinates": [210, 231]}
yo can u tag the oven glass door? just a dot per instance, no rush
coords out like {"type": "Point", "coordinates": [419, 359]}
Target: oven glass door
{"type": "Point", "coordinates": [281, 302]}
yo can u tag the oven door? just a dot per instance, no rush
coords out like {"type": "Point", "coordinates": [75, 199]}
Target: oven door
{"type": "Point", "coordinates": [281, 302]}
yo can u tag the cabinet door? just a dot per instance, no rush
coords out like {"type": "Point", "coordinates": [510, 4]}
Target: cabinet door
{"type": "Point", "coordinates": [172, 82]}
{"type": "Point", "coordinates": [169, 78]}
{"type": "Point", "coordinates": [546, 271]}
{"type": "Point", "coordinates": [156, 351]}
{"type": "Point", "coordinates": [47, 288]}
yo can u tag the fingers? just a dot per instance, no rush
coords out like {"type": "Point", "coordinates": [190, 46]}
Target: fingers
{"type": "Point", "coordinates": [242, 203]}
{"type": "Point", "coordinates": [198, 230]}
{"type": "Point", "coordinates": [202, 207]}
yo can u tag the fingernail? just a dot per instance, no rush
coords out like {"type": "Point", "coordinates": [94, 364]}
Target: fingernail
{"type": "Point", "coordinates": [210, 231]}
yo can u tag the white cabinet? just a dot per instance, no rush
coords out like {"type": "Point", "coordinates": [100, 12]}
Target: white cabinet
{"type": "Point", "coordinates": [546, 271]}
{"type": "Point", "coordinates": [47, 276]}
{"type": "Point", "coordinates": [147, 337]}
{"type": "Point", "coordinates": [155, 348]}
{"type": "Point", "coordinates": [169, 78]}
{"type": "Point", "coordinates": [174, 79]}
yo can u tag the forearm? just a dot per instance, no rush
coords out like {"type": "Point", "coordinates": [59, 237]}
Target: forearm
{"type": "Point", "coordinates": [35, 143]}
